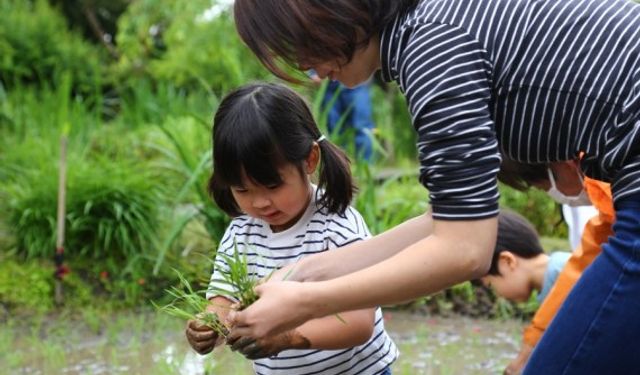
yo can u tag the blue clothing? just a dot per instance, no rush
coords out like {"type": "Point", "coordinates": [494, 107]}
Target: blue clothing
{"type": "Point", "coordinates": [355, 106]}
{"type": "Point", "coordinates": [557, 260]}
{"type": "Point", "coordinates": [597, 328]}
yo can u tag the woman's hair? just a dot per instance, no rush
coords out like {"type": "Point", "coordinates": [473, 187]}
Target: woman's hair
{"type": "Point", "coordinates": [261, 127]}
{"type": "Point", "coordinates": [521, 176]}
{"type": "Point", "coordinates": [311, 30]}
{"type": "Point", "coordinates": [517, 235]}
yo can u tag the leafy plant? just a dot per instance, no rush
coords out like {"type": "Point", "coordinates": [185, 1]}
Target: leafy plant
{"type": "Point", "coordinates": [237, 278]}
{"type": "Point", "coordinates": [188, 304]}
{"type": "Point", "coordinates": [186, 156]}
{"type": "Point", "coordinates": [37, 47]}
{"type": "Point", "coordinates": [111, 212]}
{"type": "Point", "coordinates": [156, 37]}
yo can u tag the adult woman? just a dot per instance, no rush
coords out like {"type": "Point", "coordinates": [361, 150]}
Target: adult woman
{"type": "Point", "coordinates": [541, 80]}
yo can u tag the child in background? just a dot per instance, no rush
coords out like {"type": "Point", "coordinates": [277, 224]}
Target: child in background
{"type": "Point", "coordinates": [564, 182]}
{"type": "Point", "coordinates": [266, 146]}
{"type": "Point", "coordinates": [519, 264]}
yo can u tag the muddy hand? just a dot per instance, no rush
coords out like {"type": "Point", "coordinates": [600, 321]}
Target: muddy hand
{"type": "Point", "coordinates": [201, 338]}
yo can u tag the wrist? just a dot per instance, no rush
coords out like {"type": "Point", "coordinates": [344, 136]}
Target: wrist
{"type": "Point", "coordinates": [298, 341]}
{"type": "Point", "coordinates": [300, 271]}
{"type": "Point", "coordinates": [315, 300]}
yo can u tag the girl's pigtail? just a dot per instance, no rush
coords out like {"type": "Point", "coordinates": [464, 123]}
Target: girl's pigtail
{"type": "Point", "coordinates": [335, 178]}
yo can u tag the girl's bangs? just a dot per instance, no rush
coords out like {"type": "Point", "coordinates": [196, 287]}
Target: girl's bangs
{"type": "Point", "coordinates": [250, 151]}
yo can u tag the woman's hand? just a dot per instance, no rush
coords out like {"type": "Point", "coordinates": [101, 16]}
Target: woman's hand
{"type": "Point", "coordinates": [281, 306]}
{"type": "Point", "coordinates": [268, 346]}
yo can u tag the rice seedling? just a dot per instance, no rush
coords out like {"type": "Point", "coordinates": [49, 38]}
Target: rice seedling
{"type": "Point", "coordinates": [188, 304]}
{"type": "Point", "coordinates": [237, 280]}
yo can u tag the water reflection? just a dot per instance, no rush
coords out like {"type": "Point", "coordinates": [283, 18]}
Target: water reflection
{"type": "Point", "coordinates": [428, 346]}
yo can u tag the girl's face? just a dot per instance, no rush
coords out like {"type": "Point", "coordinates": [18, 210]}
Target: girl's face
{"type": "Point", "coordinates": [280, 206]}
{"type": "Point", "coordinates": [364, 63]}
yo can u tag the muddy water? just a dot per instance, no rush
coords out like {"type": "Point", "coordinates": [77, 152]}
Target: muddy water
{"type": "Point", "coordinates": [150, 345]}
{"type": "Point", "coordinates": [455, 345]}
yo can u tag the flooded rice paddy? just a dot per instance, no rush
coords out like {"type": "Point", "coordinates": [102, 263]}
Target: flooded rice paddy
{"type": "Point", "coordinates": [152, 344]}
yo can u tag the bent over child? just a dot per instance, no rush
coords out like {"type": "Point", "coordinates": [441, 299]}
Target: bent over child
{"type": "Point", "coordinates": [519, 264]}
{"type": "Point", "coordinates": [266, 146]}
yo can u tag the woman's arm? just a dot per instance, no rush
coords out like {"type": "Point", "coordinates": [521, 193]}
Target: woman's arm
{"type": "Point", "coordinates": [346, 330]}
{"type": "Point", "coordinates": [456, 251]}
{"type": "Point", "coordinates": [358, 255]}
{"type": "Point", "coordinates": [350, 329]}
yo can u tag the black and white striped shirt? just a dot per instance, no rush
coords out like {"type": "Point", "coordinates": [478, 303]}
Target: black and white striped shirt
{"type": "Point", "coordinates": [538, 80]}
{"type": "Point", "coordinates": [315, 232]}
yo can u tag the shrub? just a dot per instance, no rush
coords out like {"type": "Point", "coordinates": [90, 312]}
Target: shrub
{"type": "Point", "coordinates": [111, 212]}
{"type": "Point", "coordinates": [190, 44]}
{"type": "Point", "coordinates": [537, 207]}
{"type": "Point", "coordinates": [37, 47]}
{"type": "Point", "coordinates": [26, 286]}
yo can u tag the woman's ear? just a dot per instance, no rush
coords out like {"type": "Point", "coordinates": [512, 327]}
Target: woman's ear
{"type": "Point", "coordinates": [313, 159]}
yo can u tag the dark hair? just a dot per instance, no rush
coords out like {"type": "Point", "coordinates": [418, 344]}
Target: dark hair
{"type": "Point", "coordinates": [261, 127]}
{"type": "Point", "coordinates": [517, 235]}
{"type": "Point", "coordinates": [521, 176]}
{"type": "Point", "coordinates": [314, 30]}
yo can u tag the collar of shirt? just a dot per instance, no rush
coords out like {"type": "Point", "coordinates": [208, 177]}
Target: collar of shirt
{"type": "Point", "coordinates": [390, 49]}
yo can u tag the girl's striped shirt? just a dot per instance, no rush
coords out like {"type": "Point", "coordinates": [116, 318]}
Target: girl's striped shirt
{"type": "Point", "coordinates": [315, 232]}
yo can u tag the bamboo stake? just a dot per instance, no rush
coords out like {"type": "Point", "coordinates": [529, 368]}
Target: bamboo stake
{"type": "Point", "coordinates": [62, 183]}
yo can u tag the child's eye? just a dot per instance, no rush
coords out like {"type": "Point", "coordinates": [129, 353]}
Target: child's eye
{"type": "Point", "coordinates": [238, 190]}
{"type": "Point", "coordinates": [273, 187]}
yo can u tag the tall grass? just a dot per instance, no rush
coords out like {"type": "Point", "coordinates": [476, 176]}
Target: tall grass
{"type": "Point", "coordinates": [185, 149]}
{"type": "Point", "coordinates": [111, 211]}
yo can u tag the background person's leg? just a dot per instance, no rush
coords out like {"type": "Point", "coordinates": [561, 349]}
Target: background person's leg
{"type": "Point", "coordinates": [360, 119]}
{"type": "Point", "coordinates": [332, 101]}
{"type": "Point", "coordinates": [597, 330]}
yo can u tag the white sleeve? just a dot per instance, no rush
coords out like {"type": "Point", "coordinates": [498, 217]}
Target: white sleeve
{"type": "Point", "coordinates": [346, 228]}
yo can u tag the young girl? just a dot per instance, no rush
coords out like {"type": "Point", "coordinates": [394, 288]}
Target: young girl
{"type": "Point", "coordinates": [540, 80]}
{"type": "Point", "coordinates": [265, 147]}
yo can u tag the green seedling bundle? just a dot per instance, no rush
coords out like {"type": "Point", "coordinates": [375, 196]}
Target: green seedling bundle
{"type": "Point", "coordinates": [190, 304]}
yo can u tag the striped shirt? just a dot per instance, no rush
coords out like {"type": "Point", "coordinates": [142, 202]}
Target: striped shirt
{"type": "Point", "coordinates": [315, 232]}
{"type": "Point", "coordinates": [536, 80]}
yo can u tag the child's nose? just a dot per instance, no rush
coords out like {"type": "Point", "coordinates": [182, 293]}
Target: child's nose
{"type": "Point", "coordinates": [260, 202]}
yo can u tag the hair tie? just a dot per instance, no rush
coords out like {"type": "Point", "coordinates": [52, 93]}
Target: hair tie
{"type": "Point", "coordinates": [322, 138]}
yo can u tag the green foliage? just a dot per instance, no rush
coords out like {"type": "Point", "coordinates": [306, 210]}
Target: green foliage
{"type": "Point", "coordinates": [105, 12]}
{"type": "Point", "coordinates": [37, 47]}
{"type": "Point", "coordinates": [537, 207]}
{"type": "Point", "coordinates": [189, 44]}
{"type": "Point", "coordinates": [188, 304]}
{"type": "Point", "coordinates": [26, 286]}
{"type": "Point", "coordinates": [185, 149]}
{"type": "Point", "coordinates": [394, 134]}
{"type": "Point", "coordinates": [146, 102]}
{"type": "Point", "coordinates": [388, 198]}
{"type": "Point", "coordinates": [111, 212]}
{"type": "Point", "coordinates": [239, 285]}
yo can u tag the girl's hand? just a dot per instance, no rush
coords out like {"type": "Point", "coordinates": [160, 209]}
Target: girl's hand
{"type": "Point", "coordinates": [281, 306]}
{"type": "Point", "coordinates": [269, 346]}
{"type": "Point", "coordinates": [201, 338]}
